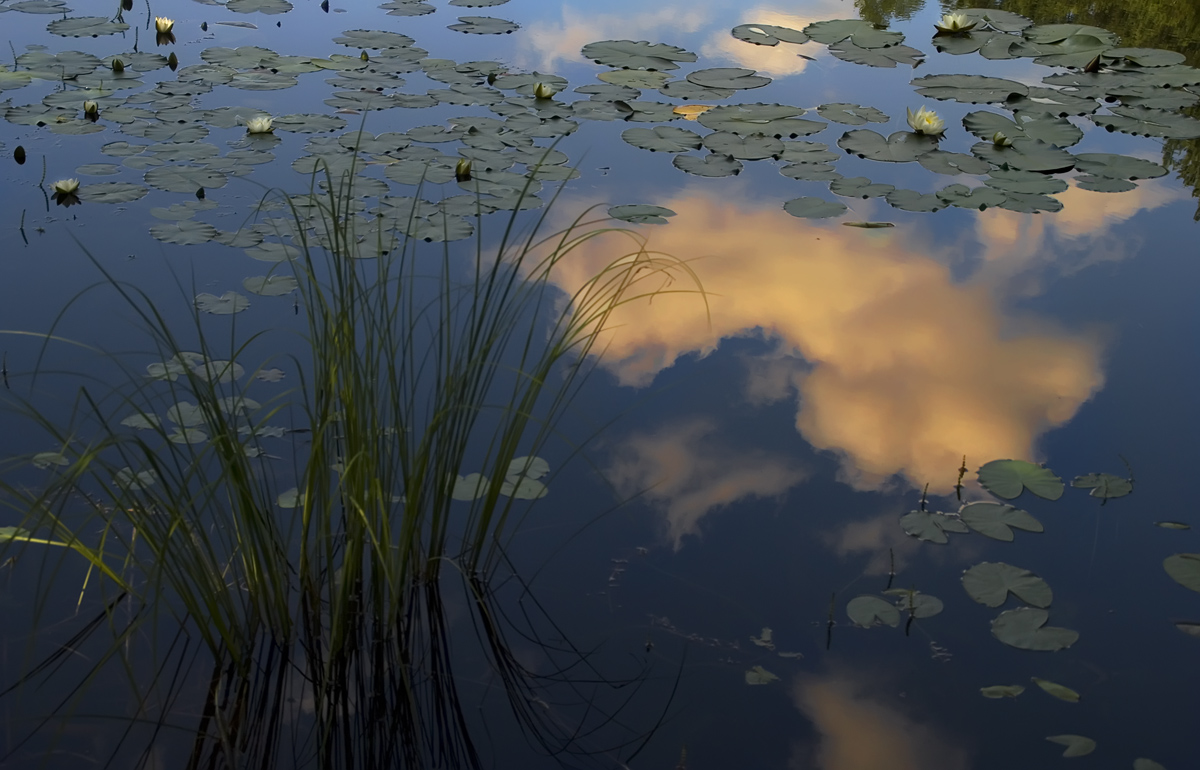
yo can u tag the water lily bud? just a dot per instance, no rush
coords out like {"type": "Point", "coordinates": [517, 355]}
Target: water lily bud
{"type": "Point", "coordinates": [172, 61]}
{"type": "Point", "coordinates": [1001, 140]}
{"type": "Point", "coordinates": [19, 155]}
{"type": "Point", "coordinates": [118, 65]}
{"type": "Point", "coordinates": [91, 110]}
{"type": "Point", "coordinates": [204, 26]}
{"type": "Point", "coordinates": [543, 91]}
{"type": "Point", "coordinates": [127, 5]}
{"type": "Point", "coordinates": [364, 56]}
{"type": "Point", "coordinates": [163, 25]}
{"type": "Point", "coordinates": [462, 170]}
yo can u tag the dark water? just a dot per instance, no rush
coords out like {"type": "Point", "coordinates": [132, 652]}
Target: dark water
{"type": "Point", "coordinates": [752, 448]}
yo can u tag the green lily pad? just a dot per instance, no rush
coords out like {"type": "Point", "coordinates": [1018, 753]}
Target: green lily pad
{"type": "Point", "coordinates": [86, 26]}
{"type": "Point", "coordinates": [1025, 628]}
{"type": "Point", "coordinates": [969, 89]}
{"type": "Point", "coordinates": [640, 54]}
{"type": "Point", "coordinates": [126, 478]}
{"type": "Point", "coordinates": [662, 139]}
{"type": "Point", "coordinates": [814, 208]}
{"type": "Point", "coordinates": [10, 80]}
{"type": "Point", "coordinates": [851, 114]}
{"type": "Point", "coordinates": [964, 197]}
{"type": "Point", "coordinates": [184, 179]}
{"type": "Point", "coordinates": [919, 605]}
{"type": "Point", "coordinates": [187, 232]}
{"type": "Point", "coordinates": [408, 8]}
{"type": "Point", "coordinates": [111, 192]}
{"type": "Point", "coordinates": [1051, 101]}
{"type": "Point", "coordinates": [227, 304]}
{"type": "Point", "coordinates": [641, 214]}
{"type": "Point", "coordinates": [868, 611]}
{"type": "Point", "coordinates": [807, 152]}
{"type": "Point", "coordinates": [768, 34]}
{"type": "Point", "coordinates": [727, 77]}
{"type": "Point", "coordinates": [1059, 691]}
{"type": "Point", "coordinates": [861, 33]}
{"type": "Point", "coordinates": [811, 172]}
{"type": "Point", "coordinates": [1026, 155]}
{"type": "Point", "coordinates": [186, 414]}
{"type": "Point", "coordinates": [989, 583]}
{"type": "Point", "coordinates": [1184, 568]}
{"type": "Point", "coordinates": [749, 147]}
{"type": "Point", "coordinates": [684, 89]}
{"type": "Point", "coordinates": [887, 58]}
{"type": "Point", "coordinates": [1024, 182]}
{"type": "Point", "coordinates": [900, 147]}
{"type": "Point", "coordinates": [484, 25]}
{"type": "Point", "coordinates": [1077, 745]}
{"type": "Point", "coordinates": [1147, 122]}
{"type": "Point", "coordinates": [270, 285]}
{"type": "Point", "coordinates": [1117, 166]}
{"type": "Point", "coordinates": [997, 691]}
{"type": "Point", "coordinates": [1059, 132]}
{"type": "Point", "coordinates": [770, 119]}
{"type": "Point", "coordinates": [759, 675]}
{"type": "Point", "coordinates": [373, 39]}
{"type": "Point", "coordinates": [1008, 478]}
{"type": "Point", "coordinates": [952, 163]}
{"type": "Point", "coordinates": [1001, 21]}
{"type": "Point", "coordinates": [911, 200]}
{"type": "Point", "coordinates": [1141, 763]}
{"type": "Point", "coordinates": [43, 460]}
{"type": "Point", "coordinates": [1075, 51]}
{"type": "Point", "coordinates": [996, 520]}
{"type": "Point", "coordinates": [859, 187]}
{"type": "Point", "coordinates": [709, 165]}
{"type": "Point", "coordinates": [438, 229]}
{"type": "Point", "coordinates": [931, 527]}
{"type": "Point", "coordinates": [1104, 485]}
{"type": "Point", "coordinates": [267, 7]}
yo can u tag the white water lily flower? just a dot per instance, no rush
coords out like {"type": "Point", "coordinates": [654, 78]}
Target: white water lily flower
{"type": "Point", "coordinates": [955, 22]}
{"type": "Point", "coordinates": [65, 186]}
{"type": "Point", "coordinates": [91, 109]}
{"type": "Point", "coordinates": [163, 25]}
{"type": "Point", "coordinates": [543, 91]}
{"type": "Point", "coordinates": [926, 122]}
{"type": "Point", "coordinates": [1000, 139]}
{"type": "Point", "coordinates": [259, 125]}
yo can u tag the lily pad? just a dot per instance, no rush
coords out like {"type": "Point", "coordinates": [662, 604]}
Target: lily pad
{"type": "Point", "coordinates": [952, 163]}
{"type": "Point", "coordinates": [970, 89]}
{"type": "Point", "coordinates": [911, 200]}
{"type": "Point", "coordinates": [184, 179]}
{"type": "Point", "coordinates": [1008, 478]}
{"type": "Point", "coordinates": [270, 285]}
{"type": "Point", "coordinates": [887, 58]}
{"type": "Point", "coordinates": [931, 527]}
{"type": "Point", "coordinates": [1147, 122]}
{"type": "Point", "coordinates": [1059, 691]}
{"type": "Point", "coordinates": [996, 520]}
{"type": "Point", "coordinates": [1059, 132]}
{"type": "Point", "coordinates": [1184, 569]}
{"type": "Point", "coordinates": [641, 214]}
{"type": "Point", "coordinates": [990, 583]}
{"type": "Point", "coordinates": [750, 147]}
{"type": "Point", "coordinates": [662, 139]}
{"type": "Point", "coordinates": [776, 120]}
{"type": "Point", "coordinates": [727, 77]}
{"type": "Point", "coordinates": [861, 33]}
{"type": "Point", "coordinates": [814, 208]}
{"type": "Point", "coordinates": [1104, 485]}
{"type": "Point", "coordinates": [1172, 525]}
{"type": "Point", "coordinates": [483, 25]}
{"type": "Point", "coordinates": [1025, 628]}
{"type": "Point", "coordinates": [997, 691]}
{"type": "Point", "coordinates": [859, 187]}
{"type": "Point", "coordinates": [868, 611]}
{"type": "Point", "coordinates": [1077, 745]}
{"type": "Point", "coordinates": [759, 675]}
{"type": "Point", "coordinates": [186, 232]}
{"type": "Point", "coordinates": [637, 54]}
{"type": "Point", "coordinates": [710, 165]}
{"type": "Point", "coordinates": [86, 26]}
{"type": "Point", "coordinates": [1117, 166]}
{"type": "Point", "coordinates": [965, 197]}
{"type": "Point", "coordinates": [918, 604]}
{"type": "Point", "coordinates": [227, 304]}
{"type": "Point", "coordinates": [900, 147]}
{"type": "Point", "coordinates": [768, 34]}
{"type": "Point", "coordinates": [851, 114]}
{"type": "Point", "coordinates": [111, 192]}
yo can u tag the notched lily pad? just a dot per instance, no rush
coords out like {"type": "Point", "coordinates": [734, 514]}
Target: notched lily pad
{"type": "Point", "coordinates": [483, 25]}
{"type": "Point", "coordinates": [227, 304]}
{"type": "Point", "coordinates": [641, 213]}
{"type": "Point", "coordinates": [1008, 478]}
{"type": "Point", "coordinates": [1184, 569]}
{"type": "Point", "coordinates": [710, 165]}
{"type": "Point", "coordinates": [900, 147]}
{"type": "Point", "coordinates": [768, 34]}
{"type": "Point", "coordinates": [1104, 485]}
{"type": "Point", "coordinates": [868, 611]}
{"type": "Point", "coordinates": [1025, 628]}
{"type": "Point", "coordinates": [931, 527]}
{"type": "Point", "coordinates": [990, 583]}
{"type": "Point", "coordinates": [969, 89]}
{"type": "Point", "coordinates": [851, 114]}
{"type": "Point", "coordinates": [814, 208]}
{"type": "Point", "coordinates": [996, 520]}
{"type": "Point", "coordinates": [1077, 745]}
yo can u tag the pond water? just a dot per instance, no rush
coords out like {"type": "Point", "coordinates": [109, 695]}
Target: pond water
{"type": "Point", "coordinates": [857, 318]}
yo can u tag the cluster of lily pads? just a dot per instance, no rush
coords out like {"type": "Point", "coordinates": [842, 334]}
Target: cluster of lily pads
{"type": "Point", "coordinates": [992, 583]}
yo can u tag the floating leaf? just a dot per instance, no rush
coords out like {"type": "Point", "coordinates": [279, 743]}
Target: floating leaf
{"type": "Point", "coordinates": [270, 285]}
{"type": "Point", "coordinates": [1117, 166]}
{"type": "Point", "coordinates": [768, 34]}
{"type": "Point", "coordinates": [1025, 628]}
{"type": "Point", "coordinates": [759, 675]}
{"type": "Point", "coordinates": [184, 233]}
{"type": "Point", "coordinates": [971, 197]}
{"type": "Point", "coordinates": [1077, 745]}
{"type": "Point", "coordinates": [861, 33]}
{"type": "Point", "coordinates": [727, 77]}
{"type": "Point", "coordinates": [1104, 485]}
{"type": "Point", "coordinates": [227, 304]}
{"type": "Point", "coordinates": [1149, 122]}
{"type": "Point", "coordinates": [43, 460]}
{"type": "Point", "coordinates": [1172, 525]}
{"type": "Point", "coordinates": [911, 200]}
{"type": "Point", "coordinates": [630, 54]}
{"type": "Point", "coordinates": [1141, 763]}
{"type": "Point", "coordinates": [1191, 629]}
{"type": "Point", "coordinates": [749, 147]}
{"type": "Point", "coordinates": [868, 611]}
{"type": "Point", "coordinates": [900, 147]}
{"type": "Point", "coordinates": [995, 520]}
{"type": "Point", "coordinates": [952, 163]}
{"type": "Point", "coordinates": [770, 119]}
{"type": "Point", "coordinates": [710, 165]}
{"type": "Point", "coordinates": [125, 478]}
{"type": "Point", "coordinates": [814, 208]}
{"type": "Point", "coordinates": [641, 214]}
{"type": "Point", "coordinates": [877, 57]}
{"type": "Point", "coordinates": [869, 225]}
{"type": "Point", "coordinates": [989, 583]}
{"type": "Point", "coordinates": [1057, 131]}
{"type": "Point", "coordinates": [662, 139]}
{"type": "Point", "coordinates": [483, 25]}
{"type": "Point", "coordinates": [764, 640]}
{"type": "Point", "coordinates": [970, 89]}
{"type": "Point", "coordinates": [1184, 568]}
{"type": "Point", "coordinates": [470, 487]}
{"type": "Point", "coordinates": [851, 114]}
{"type": "Point", "coordinates": [86, 26]}
{"type": "Point", "coordinates": [1057, 690]}
{"type": "Point", "coordinates": [859, 187]}
{"type": "Point", "coordinates": [111, 192]}
{"type": "Point", "coordinates": [1008, 478]}
{"type": "Point", "coordinates": [1026, 155]}
{"type": "Point", "coordinates": [916, 603]}
{"type": "Point", "coordinates": [1002, 691]}
{"type": "Point", "coordinates": [290, 498]}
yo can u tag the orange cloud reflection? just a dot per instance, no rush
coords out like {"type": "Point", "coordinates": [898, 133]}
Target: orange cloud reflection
{"type": "Point", "coordinates": [859, 733]}
{"type": "Point", "coordinates": [907, 370]}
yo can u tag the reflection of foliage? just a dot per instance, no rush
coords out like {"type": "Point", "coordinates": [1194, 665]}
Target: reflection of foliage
{"type": "Point", "coordinates": [882, 11]}
{"type": "Point", "coordinates": [1141, 24]}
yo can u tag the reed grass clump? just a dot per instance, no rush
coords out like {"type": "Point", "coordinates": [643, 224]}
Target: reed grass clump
{"type": "Point", "coordinates": [324, 622]}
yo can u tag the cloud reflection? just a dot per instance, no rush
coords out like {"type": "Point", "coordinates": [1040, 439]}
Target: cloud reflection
{"type": "Point", "coordinates": [861, 733]}
{"type": "Point", "coordinates": [685, 471]}
{"type": "Point", "coordinates": [904, 371]}
{"type": "Point", "coordinates": [552, 43]}
{"type": "Point", "coordinates": [779, 60]}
